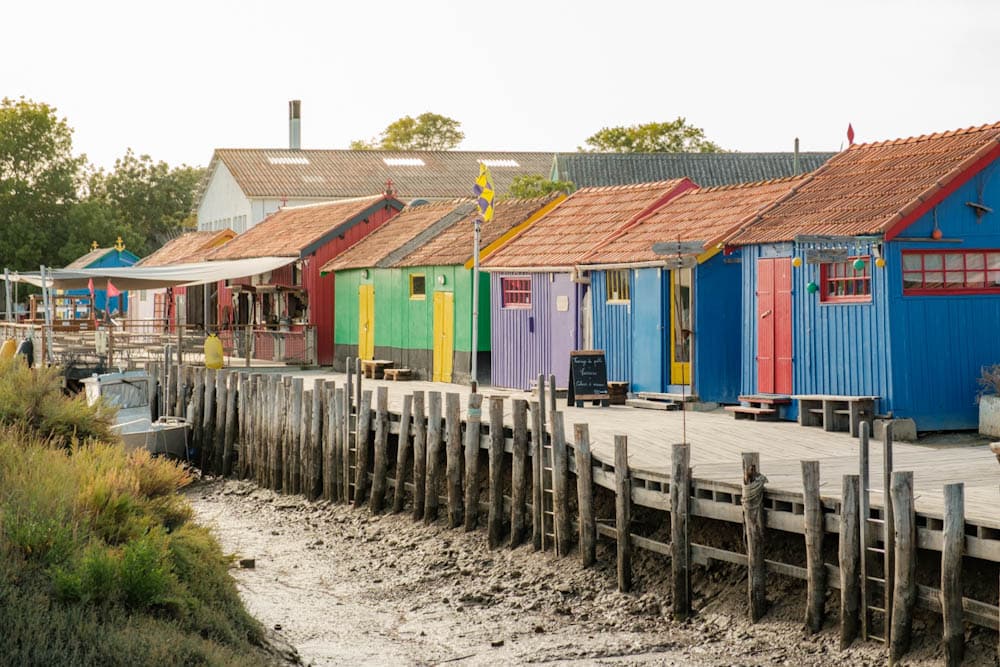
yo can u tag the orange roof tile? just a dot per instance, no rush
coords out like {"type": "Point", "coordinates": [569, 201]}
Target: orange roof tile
{"type": "Point", "coordinates": [576, 225]}
{"type": "Point", "coordinates": [289, 231]}
{"type": "Point", "coordinates": [872, 188]}
{"type": "Point", "coordinates": [454, 244]}
{"type": "Point", "coordinates": [189, 247]}
{"type": "Point", "coordinates": [391, 236]}
{"type": "Point", "coordinates": [703, 214]}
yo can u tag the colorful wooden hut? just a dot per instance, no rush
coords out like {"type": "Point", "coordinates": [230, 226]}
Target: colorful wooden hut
{"type": "Point", "coordinates": [298, 294]}
{"type": "Point", "coordinates": [537, 294]}
{"type": "Point", "coordinates": [117, 256]}
{"type": "Point", "coordinates": [880, 276]}
{"type": "Point", "coordinates": [668, 318]}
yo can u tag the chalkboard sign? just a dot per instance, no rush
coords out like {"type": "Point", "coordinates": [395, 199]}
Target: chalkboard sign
{"type": "Point", "coordinates": [588, 377]}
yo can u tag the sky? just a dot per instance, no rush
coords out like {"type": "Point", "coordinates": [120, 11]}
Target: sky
{"type": "Point", "coordinates": [177, 79]}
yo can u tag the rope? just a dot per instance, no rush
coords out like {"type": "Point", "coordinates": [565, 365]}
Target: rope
{"type": "Point", "coordinates": [753, 493]}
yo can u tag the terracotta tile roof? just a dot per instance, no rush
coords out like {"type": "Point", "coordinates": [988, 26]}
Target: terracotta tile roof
{"type": "Point", "coordinates": [84, 261]}
{"type": "Point", "coordinates": [576, 225]}
{"type": "Point", "coordinates": [189, 247]}
{"type": "Point", "coordinates": [289, 231]}
{"type": "Point", "coordinates": [394, 234]}
{"type": "Point", "coordinates": [704, 214]}
{"type": "Point", "coordinates": [454, 244]}
{"type": "Point", "coordinates": [319, 174]}
{"type": "Point", "coordinates": [870, 188]}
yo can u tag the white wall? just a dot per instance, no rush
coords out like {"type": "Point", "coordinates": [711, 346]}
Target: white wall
{"type": "Point", "coordinates": [224, 205]}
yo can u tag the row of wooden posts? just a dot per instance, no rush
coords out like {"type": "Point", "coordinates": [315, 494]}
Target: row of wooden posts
{"type": "Point", "coordinates": [274, 430]}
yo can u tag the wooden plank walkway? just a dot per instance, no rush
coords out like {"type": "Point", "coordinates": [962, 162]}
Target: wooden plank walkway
{"type": "Point", "coordinates": [717, 441]}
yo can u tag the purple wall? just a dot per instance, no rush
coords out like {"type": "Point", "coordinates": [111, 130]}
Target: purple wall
{"type": "Point", "coordinates": [529, 341]}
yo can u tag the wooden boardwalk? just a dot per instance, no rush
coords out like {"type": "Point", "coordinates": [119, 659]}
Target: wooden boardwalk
{"type": "Point", "coordinates": [717, 441]}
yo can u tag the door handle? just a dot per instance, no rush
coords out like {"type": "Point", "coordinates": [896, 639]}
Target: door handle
{"type": "Point", "coordinates": [765, 314]}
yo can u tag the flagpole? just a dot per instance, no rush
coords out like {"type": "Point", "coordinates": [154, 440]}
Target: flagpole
{"type": "Point", "coordinates": [475, 302]}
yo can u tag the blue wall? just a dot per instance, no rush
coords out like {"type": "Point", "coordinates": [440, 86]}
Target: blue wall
{"type": "Point", "coordinates": [612, 323]}
{"type": "Point", "coordinates": [717, 337]}
{"type": "Point", "coordinates": [111, 260]}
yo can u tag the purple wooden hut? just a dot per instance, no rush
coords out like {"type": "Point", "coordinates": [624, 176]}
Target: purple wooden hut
{"type": "Point", "coordinates": [538, 299]}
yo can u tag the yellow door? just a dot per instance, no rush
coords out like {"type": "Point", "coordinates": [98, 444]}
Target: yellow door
{"type": "Point", "coordinates": [444, 334]}
{"type": "Point", "coordinates": [681, 338]}
{"type": "Point", "coordinates": [366, 321]}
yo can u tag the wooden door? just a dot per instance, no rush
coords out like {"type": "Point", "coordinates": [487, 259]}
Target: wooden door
{"type": "Point", "coordinates": [774, 326]}
{"type": "Point", "coordinates": [649, 339]}
{"type": "Point", "coordinates": [366, 321]}
{"type": "Point", "coordinates": [444, 336]}
{"type": "Point", "coordinates": [681, 338]}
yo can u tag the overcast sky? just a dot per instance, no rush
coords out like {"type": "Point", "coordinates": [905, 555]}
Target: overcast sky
{"type": "Point", "coordinates": [177, 79]}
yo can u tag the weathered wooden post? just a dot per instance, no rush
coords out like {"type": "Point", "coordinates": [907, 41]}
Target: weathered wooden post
{"type": "Point", "coordinates": [519, 472]}
{"type": "Point", "coordinates": [433, 456]}
{"type": "Point", "coordinates": [453, 455]}
{"type": "Point", "coordinates": [304, 442]}
{"type": "Point", "coordinates": [208, 421]}
{"type": "Point", "coordinates": [329, 439]}
{"type": "Point", "coordinates": [179, 409]}
{"type": "Point", "coordinates": [198, 403]}
{"type": "Point", "coordinates": [402, 454]}
{"type": "Point", "coordinates": [279, 411]}
{"type": "Point", "coordinates": [314, 470]}
{"type": "Point", "coordinates": [753, 529]}
{"type": "Point", "coordinates": [380, 463]}
{"type": "Point", "coordinates": [361, 456]}
{"type": "Point", "coordinates": [494, 521]}
{"type": "Point", "coordinates": [814, 529]}
{"type": "Point", "coordinates": [419, 455]}
{"type": "Point", "coordinates": [904, 595]}
{"type": "Point", "coordinates": [243, 456]}
{"type": "Point", "coordinates": [560, 485]}
{"type": "Point", "coordinates": [849, 552]}
{"type": "Point", "coordinates": [680, 529]}
{"type": "Point", "coordinates": [337, 472]}
{"type": "Point", "coordinates": [229, 440]}
{"type": "Point", "coordinates": [623, 514]}
{"type": "Point", "coordinates": [537, 434]}
{"type": "Point", "coordinates": [221, 405]}
{"type": "Point", "coordinates": [473, 430]}
{"type": "Point", "coordinates": [585, 494]}
{"type": "Point", "coordinates": [293, 446]}
{"type": "Point", "coordinates": [953, 548]}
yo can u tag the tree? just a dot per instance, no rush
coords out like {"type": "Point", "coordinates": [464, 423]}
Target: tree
{"type": "Point", "coordinates": [671, 137]}
{"type": "Point", "coordinates": [39, 178]}
{"type": "Point", "coordinates": [527, 186]}
{"type": "Point", "coordinates": [426, 132]}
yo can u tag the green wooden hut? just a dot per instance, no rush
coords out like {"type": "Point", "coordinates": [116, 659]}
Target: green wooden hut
{"type": "Point", "coordinates": [404, 293]}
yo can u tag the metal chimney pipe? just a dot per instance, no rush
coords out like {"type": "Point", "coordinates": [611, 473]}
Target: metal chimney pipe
{"type": "Point", "coordinates": [295, 125]}
{"type": "Point", "coordinates": [795, 163]}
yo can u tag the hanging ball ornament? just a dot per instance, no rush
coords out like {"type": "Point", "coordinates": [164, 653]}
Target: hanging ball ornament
{"type": "Point", "coordinates": [880, 263]}
{"type": "Point", "coordinates": [859, 264]}
{"type": "Point", "coordinates": [812, 287]}
{"type": "Point", "coordinates": [936, 234]}
{"type": "Point", "coordinates": [797, 262]}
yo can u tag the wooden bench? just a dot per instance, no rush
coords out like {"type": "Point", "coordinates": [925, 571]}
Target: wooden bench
{"type": "Point", "coordinates": [758, 407]}
{"type": "Point", "coordinates": [396, 374]}
{"type": "Point", "coordinates": [836, 413]}
{"type": "Point", "coordinates": [375, 368]}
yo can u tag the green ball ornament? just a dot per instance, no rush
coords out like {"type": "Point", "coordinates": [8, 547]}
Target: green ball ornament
{"type": "Point", "coordinates": [812, 287]}
{"type": "Point", "coordinates": [859, 264]}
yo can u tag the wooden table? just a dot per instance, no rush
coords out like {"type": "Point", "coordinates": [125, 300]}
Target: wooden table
{"type": "Point", "coordinates": [374, 368]}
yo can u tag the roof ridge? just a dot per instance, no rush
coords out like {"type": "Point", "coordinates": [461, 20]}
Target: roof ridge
{"type": "Point", "coordinates": [671, 182]}
{"type": "Point", "coordinates": [753, 184]}
{"type": "Point", "coordinates": [927, 137]}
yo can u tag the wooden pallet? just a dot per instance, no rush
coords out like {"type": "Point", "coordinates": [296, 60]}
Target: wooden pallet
{"type": "Point", "coordinates": [397, 374]}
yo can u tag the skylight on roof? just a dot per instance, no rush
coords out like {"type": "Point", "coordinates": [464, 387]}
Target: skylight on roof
{"type": "Point", "coordinates": [403, 161]}
{"type": "Point", "coordinates": [288, 160]}
{"type": "Point", "coordinates": [500, 163]}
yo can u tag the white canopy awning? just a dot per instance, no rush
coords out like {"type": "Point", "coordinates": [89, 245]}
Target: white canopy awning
{"type": "Point", "coordinates": [154, 277]}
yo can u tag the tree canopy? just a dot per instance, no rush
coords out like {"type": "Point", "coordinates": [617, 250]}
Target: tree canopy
{"type": "Point", "coordinates": [674, 136]}
{"type": "Point", "coordinates": [426, 132]}
{"type": "Point", "coordinates": [527, 186]}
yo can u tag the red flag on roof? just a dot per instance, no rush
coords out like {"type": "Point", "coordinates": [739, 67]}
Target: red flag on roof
{"type": "Point", "coordinates": [112, 290]}
{"type": "Point", "coordinates": [850, 134]}
{"type": "Point", "coordinates": [90, 287]}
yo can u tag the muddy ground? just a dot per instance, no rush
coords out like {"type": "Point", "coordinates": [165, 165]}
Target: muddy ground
{"type": "Point", "coordinates": [348, 588]}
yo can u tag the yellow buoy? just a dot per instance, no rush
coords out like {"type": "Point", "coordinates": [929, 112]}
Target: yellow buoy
{"type": "Point", "coordinates": [8, 349]}
{"type": "Point", "coordinates": [213, 352]}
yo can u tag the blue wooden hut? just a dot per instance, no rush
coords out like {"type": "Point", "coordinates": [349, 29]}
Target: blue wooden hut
{"type": "Point", "coordinates": [880, 276]}
{"type": "Point", "coordinates": [670, 323]}
{"type": "Point", "coordinates": [536, 292]}
{"type": "Point", "coordinates": [117, 256]}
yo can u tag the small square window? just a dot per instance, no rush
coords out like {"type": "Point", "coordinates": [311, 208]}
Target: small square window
{"type": "Point", "coordinates": [418, 286]}
{"type": "Point", "coordinates": [845, 283]}
{"type": "Point", "coordinates": [515, 292]}
{"type": "Point", "coordinates": [617, 286]}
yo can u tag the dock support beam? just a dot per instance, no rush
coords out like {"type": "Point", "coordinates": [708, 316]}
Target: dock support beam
{"type": "Point", "coordinates": [680, 515]}
{"type": "Point", "coordinates": [753, 529]}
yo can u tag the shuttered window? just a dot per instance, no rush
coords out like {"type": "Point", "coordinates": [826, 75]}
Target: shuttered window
{"type": "Point", "coordinates": [516, 292]}
{"type": "Point", "coordinates": [951, 272]}
{"type": "Point", "coordinates": [844, 283]}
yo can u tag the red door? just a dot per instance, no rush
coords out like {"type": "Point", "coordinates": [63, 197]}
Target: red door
{"type": "Point", "coordinates": [774, 326]}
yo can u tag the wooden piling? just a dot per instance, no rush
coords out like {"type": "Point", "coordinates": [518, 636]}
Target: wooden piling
{"type": "Point", "coordinates": [198, 402]}
{"type": "Point", "coordinates": [623, 514]}
{"type": "Point", "coordinates": [363, 443]}
{"type": "Point", "coordinates": [208, 422]}
{"type": "Point", "coordinates": [329, 435]}
{"type": "Point", "coordinates": [314, 470]}
{"type": "Point", "coordinates": [180, 407]}
{"type": "Point", "coordinates": [243, 455]}
{"type": "Point", "coordinates": [347, 479]}
{"type": "Point", "coordinates": [279, 411]}
{"type": "Point", "coordinates": [680, 529]}
{"type": "Point", "coordinates": [433, 456]}
{"type": "Point", "coordinates": [453, 453]}
{"type": "Point", "coordinates": [419, 455]}
{"type": "Point", "coordinates": [813, 528]}
{"type": "Point", "coordinates": [560, 485]}
{"type": "Point", "coordinates": [473, 429]}
{"type": "Point", "coordinates": [402, 454]}
{"type": "Point", "coordinates": [519, 472]}
{"type": "Point", "coordinates": [293, 442]}
{"type": "Point", "coordinates": [753, 530]}
{"type": "Point", "coordinates": [537, 436]}
{"type": "Point", "coordinates": [494, 521]}
{"type": "Point", "coordinates": [904, 595]}
{"type": "Point", "coordinates": [304, 442]}
{"type": "Point", "coordinates": [229, 441]}
{"type": "Point", "coordinates": [380, 462]}
{"type": "Point", "coordinates": [849, 553]}
{"type": "Point", "coordinates": [337, 470]}
{"type": "Point", "coordinates": [585, 494]}
{"type": "Point", "coordinates": [221, 405]}
{"type": "Point", "coordinates": [952, 551]}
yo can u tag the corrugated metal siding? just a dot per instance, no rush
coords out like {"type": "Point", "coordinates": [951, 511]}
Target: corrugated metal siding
{"type": "Point", "coordinates": [612, 324]}
{"type": "Point", "coordinates": [717, 336]}
{"type": "Point", "coordinates": [748, 365]}
{"type": "Point", "coordinates": [650, 329]}
{"type": "Point", "coordinates": [519, 354]}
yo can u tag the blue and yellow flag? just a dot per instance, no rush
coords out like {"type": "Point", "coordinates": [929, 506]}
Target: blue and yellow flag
{"type": "Point", "coordinates": [483, 189]}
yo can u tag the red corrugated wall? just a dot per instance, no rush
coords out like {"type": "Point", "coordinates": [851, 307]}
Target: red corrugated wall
{"type": "Point", "coordinates": [321, 288]}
